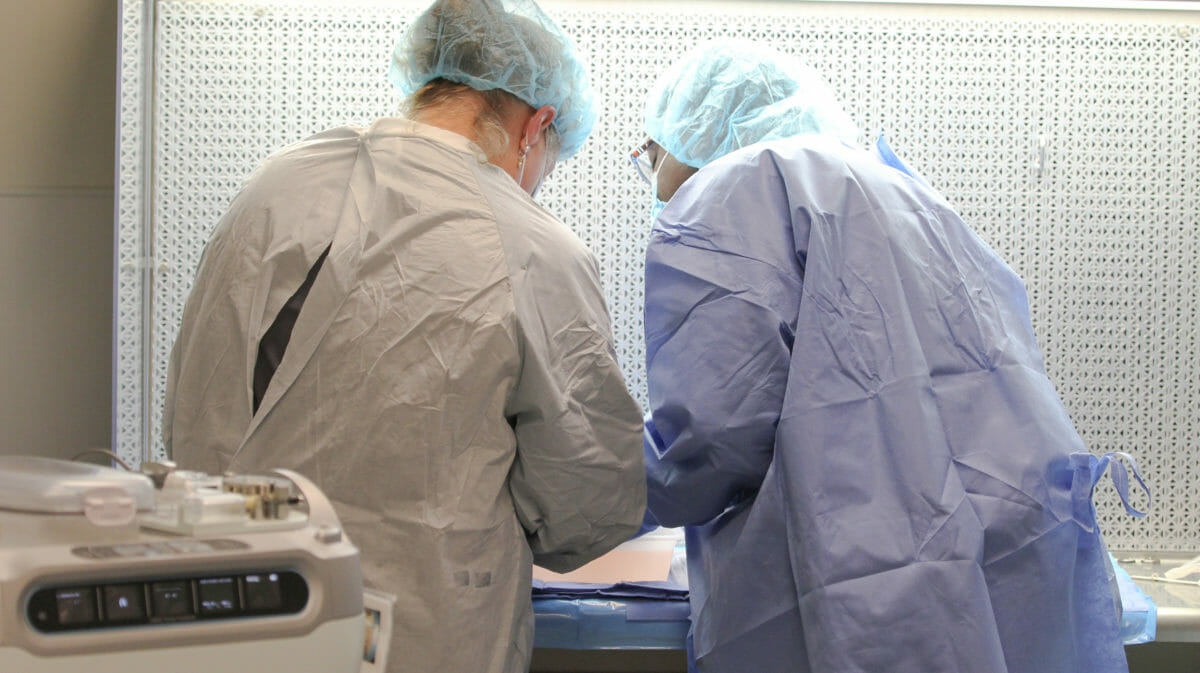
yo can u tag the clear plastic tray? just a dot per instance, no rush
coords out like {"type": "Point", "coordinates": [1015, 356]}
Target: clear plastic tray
{"type": "Point", "coordinates": [47, 485]}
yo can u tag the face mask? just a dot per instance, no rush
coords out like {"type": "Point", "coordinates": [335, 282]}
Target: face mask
{"type": "Point", "coordinates": [543, 171]}
{"type": "Point", "coordinates": [521, 172]}
{"type": "Point", "coordinates": [656, 209]}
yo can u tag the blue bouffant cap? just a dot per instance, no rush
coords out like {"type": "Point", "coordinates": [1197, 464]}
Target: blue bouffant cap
{"type": "Point", "coordinates": [728, 94]}
{"type": "Point", "coordinates": [500, 44]}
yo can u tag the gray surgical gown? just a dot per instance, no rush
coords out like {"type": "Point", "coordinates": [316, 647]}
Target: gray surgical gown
{"type": "Point", "coordinates": [450, 381]}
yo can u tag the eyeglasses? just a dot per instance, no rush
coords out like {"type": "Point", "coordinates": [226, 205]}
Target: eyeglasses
{"type": "Point", "coordinates": [643, 161]}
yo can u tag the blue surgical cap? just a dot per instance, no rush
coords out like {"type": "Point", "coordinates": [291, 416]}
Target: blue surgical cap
{"type": "Point", "coordinates": [729, 94]}
{"type": "Point", "coordinates": [499, 44]}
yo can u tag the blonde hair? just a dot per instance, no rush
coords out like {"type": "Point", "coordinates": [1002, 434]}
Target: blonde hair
{"type": "Point", "coordinates": [489, 125]}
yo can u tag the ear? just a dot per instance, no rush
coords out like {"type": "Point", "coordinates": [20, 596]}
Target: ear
{"type": "Point", "coordinates": [537, 123]}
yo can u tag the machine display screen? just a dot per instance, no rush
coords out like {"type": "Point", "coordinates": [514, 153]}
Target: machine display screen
{"type": "Point", "coordinates": [164, 600]}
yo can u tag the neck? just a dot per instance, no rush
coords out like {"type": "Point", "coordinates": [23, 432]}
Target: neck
{"type": "Point", "coordinates": [457, 116]}
{"type": "Point", "coordinates": [461, 116]}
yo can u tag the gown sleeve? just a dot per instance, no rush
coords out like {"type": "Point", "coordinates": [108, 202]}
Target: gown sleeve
{"type": "Point", "coordinates": [723, 279]}
{"type": "Point", "coordinates": [578, 481]}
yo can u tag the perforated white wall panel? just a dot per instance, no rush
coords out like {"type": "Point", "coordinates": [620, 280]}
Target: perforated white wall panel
{"type": "Point", "coordinates": [1070, 141]}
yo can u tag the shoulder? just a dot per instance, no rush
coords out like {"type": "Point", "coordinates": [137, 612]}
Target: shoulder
{"type": "Point", "coordinates": [823, 174]}
{"type": "Point", "coordinates": [531, 234]}
{"type": "Point", "coordinates": [317, 157]}
{"type": "Point", "coordinates": [809, 155]}
{"type": "Point", "coordinates": [756, 188]}
{"type": "Point", "coordinates": [552, 273]}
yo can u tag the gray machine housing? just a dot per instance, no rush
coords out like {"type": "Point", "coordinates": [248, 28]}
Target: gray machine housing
{"type": "Point", "coordinates": [61, 526]}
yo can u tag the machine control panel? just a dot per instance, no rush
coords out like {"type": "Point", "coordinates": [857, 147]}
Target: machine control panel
{"type": "Point", "coordinates": [162, 600]}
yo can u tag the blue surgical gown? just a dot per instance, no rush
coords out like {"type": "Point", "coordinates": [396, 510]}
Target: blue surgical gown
{"type": "Point", "coordinates": [850, 413]}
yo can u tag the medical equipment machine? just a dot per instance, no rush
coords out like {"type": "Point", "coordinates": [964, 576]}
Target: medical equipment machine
{"type": "Point", "coordinates": [104, 570]}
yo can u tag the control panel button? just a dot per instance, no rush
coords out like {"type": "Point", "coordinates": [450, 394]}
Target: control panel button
{"type": "Point", "coordinates": [217, 596]}
{"type": "Point", "coordinates": [263, 592]}
{"type": "Point", "coordinates": [124, 602]}
{"type": "Point", "coordinates": [171, 600]}
{"type": "Point", "coordinates": [76, 606]}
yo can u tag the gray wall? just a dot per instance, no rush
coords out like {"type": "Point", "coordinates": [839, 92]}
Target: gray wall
{"type": "Point", "coordinates": [56, 224]}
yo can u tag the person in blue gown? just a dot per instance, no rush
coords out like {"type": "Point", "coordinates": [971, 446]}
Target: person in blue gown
{"type": "Point", "coordinates": [848, 408]}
